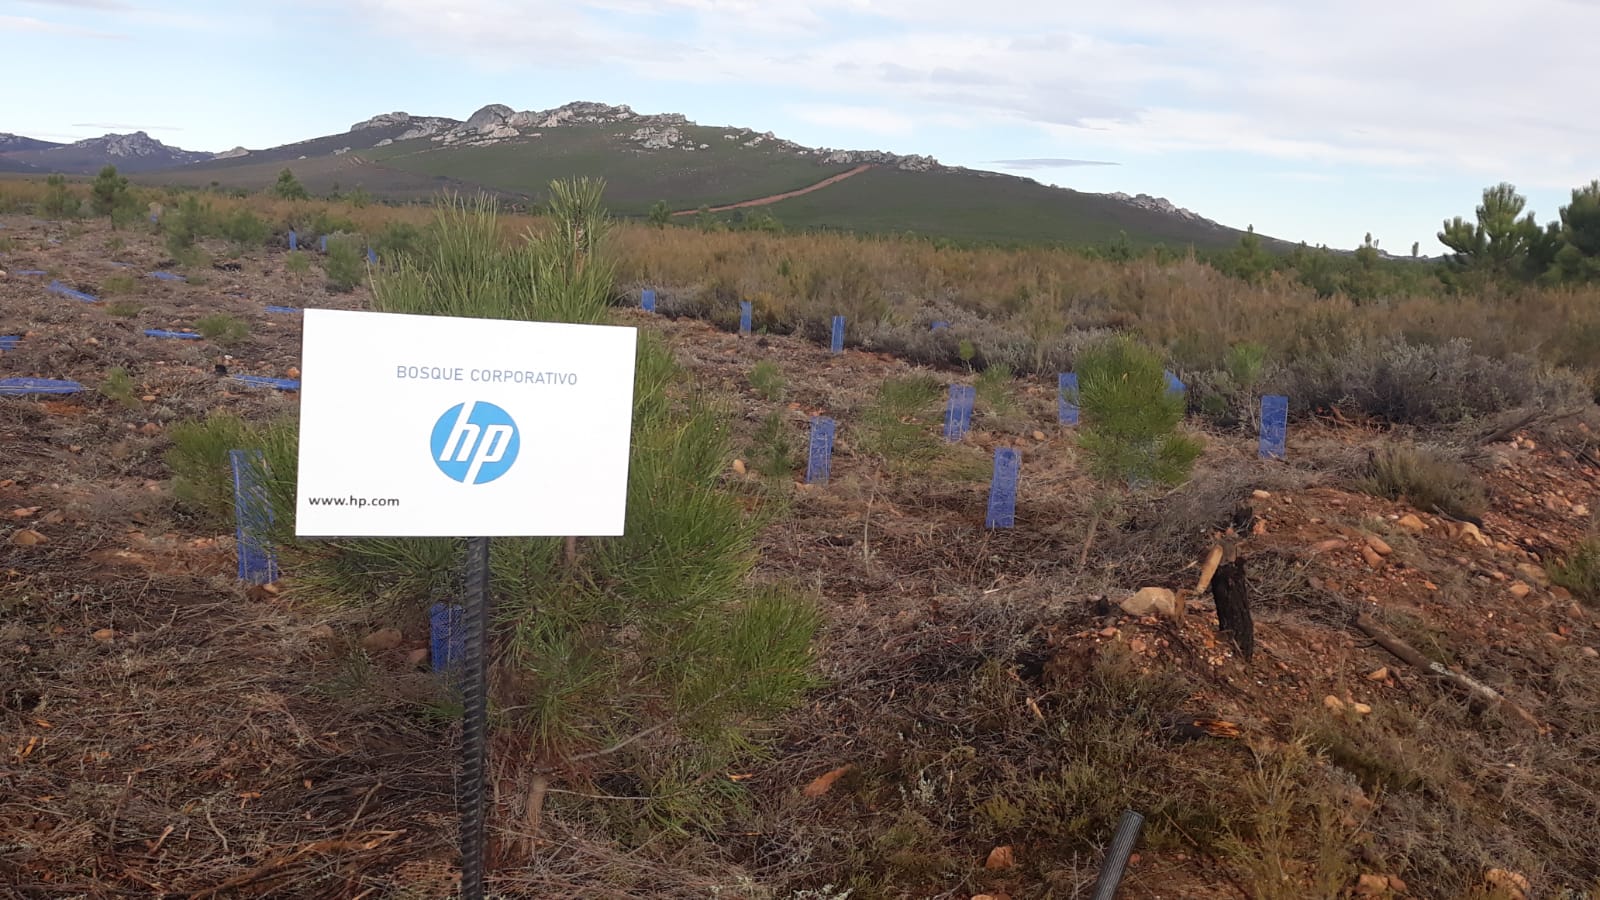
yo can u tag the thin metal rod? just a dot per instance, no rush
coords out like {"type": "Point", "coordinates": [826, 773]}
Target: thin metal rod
{"type": "Point", "coordinates": [475, 718]}
{"type": "Point", "coordinates": [1105, 887]}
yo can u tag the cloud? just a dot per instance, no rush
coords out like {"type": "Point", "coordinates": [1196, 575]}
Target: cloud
{"type": "Point", "coordinates": [31, 25]}
{"type": "Point", "coordinates": [82, 4]}
{"type": "Point", "coordinates": [875, 120]}
{"type": "Point", "coordinates": [120, 126]}
{"type": "Point", "coordinates": [1419, 86]}
{"type": "Point", "coordinates": [1048, 163]}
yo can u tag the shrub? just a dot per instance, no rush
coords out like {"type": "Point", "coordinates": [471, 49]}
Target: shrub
{"type": "Point", "coordinates": [1579, 570]}
{"type": "Point", "coordinates": [896, 425]}
{"type": "Point", "coordinates": [993, 387]}
{"type": "Point", "coordinates": [125, 309]}
{"type": "Point", "coordinates": [108, 192]}
{"type": "Point", "coordinates": [345, 264]}
{"type": "Point", "coordinates": [1428, 478]}
{"type": "Point", "coordinates": [59, 201]}
{"type": "Point", "coordinates": [118, 387]}
{"type": "Point", "coordinates": [774, 451]}
{"type": "Point", "coordinates": [1130, 420]}
{"type": "Point", "coordinates": [297, 262]}
{"type": "Point", "coordinates": [186, 223]}
{"type": "Point", "coordinates": [223, 329]}
{"type": "Point", "coordinates": [289, 187]}
{"type": "Point", "coordinates": [119, 284]}
{"type": "Point", "coordinates": [766, 379]}
{"type": "Point", "coordinates": [245, 230]}
{"type": "Point", "coordinates": [1419, 384]}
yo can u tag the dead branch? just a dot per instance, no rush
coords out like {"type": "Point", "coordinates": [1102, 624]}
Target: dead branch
{"type": "Point", "coordinates": [1465, 682]}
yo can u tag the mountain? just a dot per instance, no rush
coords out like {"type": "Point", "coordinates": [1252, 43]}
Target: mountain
{"type": "Point", "coordinates": [130, 153]}
{"type": "Point", "coordinates": [648, 159]}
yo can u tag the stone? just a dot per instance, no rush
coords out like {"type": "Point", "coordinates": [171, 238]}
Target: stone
{"type": "Point", "coordinates": [1333, 703]}
{"type": "Point", "coordinates": [1328, 546]}
{"type": "Point", "coordinates": [1260, 495]}
{"type": "Point", "coordinates": [1513, 884]}
{"type": "Point", "coordinates": [1469, 534]}
{"type": "Point", "coordinates": [1361, 709]}
{"type": "Point", "coordinates": [1590, 652]}
{"type": "Point", "coordinates": [1151, 601]}
{"type": "Point", "coordinates": [738, 466]}
{"type": "Point", "coordinates": [1038, 435]}
{"type": "Point", "coordinates": [1533, 573]}
{"type": "Point", "coordinates": [1520, 589]}
{"type": "Point", "coordinates": [1000, 858]}
{"type": "Point", "coordinates": [1379, 674]}
{"type": "Point", "coordinates": [382, 639]}
{"type": "Point", "coordinates": [1370, 885]}
{"type": "Point", "coordinates": [1378, 545]}
{"type": "Point", "coordinates": [1372, 557]}
{"type": "Point", "coordinates": [1412, 524]}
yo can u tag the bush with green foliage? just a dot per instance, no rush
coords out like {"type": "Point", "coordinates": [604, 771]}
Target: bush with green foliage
{"type": "Point", "coordinates": [1129, 422]}
{"type": "Point", "coordinates": [897, 427]}
{"type": "Point", "coordinates": [117, 386]}
{"type": "Point", "coordinates": [345, 264]}
{"type": "Point", "coordinates": [288, 187]}
{"type": "Point", "coordinates": [59, 201]}
{"type": "Point", "coordinates": [223, 329]}
{"type": "Point", "coordinates": [187, 222]}
{"type": "Point", "coordinates": [766, 379]}
{"type": "Point", "coordinates": [108, 195]}
{"type": "Point", "coordinates": [245, 230]}
{"type": "Point", "coordinates": [1579, 570]}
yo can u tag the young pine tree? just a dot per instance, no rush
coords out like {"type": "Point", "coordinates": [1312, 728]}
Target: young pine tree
{"type": "Point", "coordinates": [1130, 420]}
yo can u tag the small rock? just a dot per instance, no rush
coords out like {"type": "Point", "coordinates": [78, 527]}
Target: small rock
{"type": "Point", "coordinates": [104, 635]}
{"type": "Point", "coordinates": [1109, 631]}
{"type": "Point", "coordinates": [1397, 885]}
{"type": "Point", "coordinates": [148, 398]}
{"type": "Point", "coordinates": [1372, 557]}
{"type": "Point", "coordinates": [323, 632]}
{"type": "Point", "coordinates": [1361, 709]}
{"type": "Point", "coordinates": [151, 428]}
{"type": "Point", "coordinates": [292, 372]}
{"type": "Point", "coordinates": [1469, 534]}
{"type": "Point", "coordinates": [1512, 883]}
{"type": "Point", "coordinates": [1576, 612]}
{"type": "Point", "coordinates": [1533, 573]}
{"type": "Point", "coordinates": [738, 466]}
{"type": "Point", "coordinates": [1378, 545]}
{"type": "Point", "coordinates": [27, 537]}
{"type": "Point", "coordinates": [1259, 528]}
{"type": "Point", "coordinates": [1328, 546]}
{"type": "Point", "coordinates": [1520, 589]}
{"type": "Point", "coordinates": [1333, 703]}
{"type": "Point", "coordinates": [1412, 524]}
{"type": "Point", "coordinates": [1260, 495]}
{"type": "Point", "coordinates": [1380, 674]}
{"type": "Point", "coordinates": [1590, 652]}
{"type": "Point", "coordinates": [382, 639]}
{"type": "Point", "coordinates": [1038, 435]}
{"type": "Point", "coordinates": [1372, 885]}
{"type": "Point", "coordinates": [1151, 601]}
{"type": "Point", "coordinates": [1000, 858]}
{"type": "Point", "coordinates": [1579, 510]}
{"type": "Point", "coordinates": [417, 657]}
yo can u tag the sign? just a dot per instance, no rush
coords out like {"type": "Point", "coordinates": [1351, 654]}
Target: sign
{"type": "Point", "coordinates": [436, 426]}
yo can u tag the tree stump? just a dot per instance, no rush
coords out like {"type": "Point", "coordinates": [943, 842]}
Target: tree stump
{"type": "Point", "coordinates": [1228, 588]}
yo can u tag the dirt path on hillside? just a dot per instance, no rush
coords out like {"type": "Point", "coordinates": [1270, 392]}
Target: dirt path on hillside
{"type": "Point", "coordinates": [764, 201]}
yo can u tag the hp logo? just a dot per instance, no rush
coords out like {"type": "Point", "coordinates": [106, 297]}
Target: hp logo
{"type": "Point", "coordinates": [475, 442]}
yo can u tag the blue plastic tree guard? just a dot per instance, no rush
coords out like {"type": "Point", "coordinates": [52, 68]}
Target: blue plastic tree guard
{"type": "Point", "coordinates": [322, 243]}
{"type": "Point", "coordinates": [252, 518]}
{"type": "Point", "coordinates": [15, 387]}
{"type": "Point", "coordinates": [1173, 384]}
{"type": "Point", "coordinates": [819, 461]}
{"type": "Point", "coordinates": [372, 257]}
{"type": "Point", "coordinates": [445, 640]}
{"type": "Point", "coordinates": [282, 384]}
{"type": "Point", "coordinates": [1067, 398]}
{"type": "Point", "coordinates": [294, 240]}
{"type": "Point", "coordinates": [8, 342]}
{"type": "Point", "coordinates": [958, 411]}
{"type": "Point", "coordinates": [30, 272]}
{"type": "Point", "coordinates": [57, 287]}
{"type": "Point", "coordinates": [837, 343]}
{"type": "Point", "coordinates": [1274, 426]}
{"type": "Point", "coordinates": [176, 335]}
{"type": "Point", "coordinates": [938, 325]}
{"type": "Point", "coordinates": [745, 314]}
{"type": "Point", "coordinates": [647, 300]}
{"type": "Point", "coordinates": [283, 309]}
{"type": "Point", "coordinates": [1003, 489]}
{"type": "Point", "coordinates": [167, 276]}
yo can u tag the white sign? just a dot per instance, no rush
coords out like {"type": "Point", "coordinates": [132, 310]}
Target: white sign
{"type": "Point", "coordinates": [435, 426]}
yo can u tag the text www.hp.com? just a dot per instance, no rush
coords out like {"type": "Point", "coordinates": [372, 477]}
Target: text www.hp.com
{"type": "Point", "coordinates": [357, 502]}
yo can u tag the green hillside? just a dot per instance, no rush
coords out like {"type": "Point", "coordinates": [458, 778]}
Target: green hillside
{"type": "Point", "coordinates": [724, 172]}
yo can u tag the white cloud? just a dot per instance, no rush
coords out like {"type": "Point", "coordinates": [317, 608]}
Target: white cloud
{"type": "Point", "coordinates": [871, 119]}
{"type": "Point", "coordinates": [1432, 86]}
{"type": "Point", "coordinates": [31, 25]}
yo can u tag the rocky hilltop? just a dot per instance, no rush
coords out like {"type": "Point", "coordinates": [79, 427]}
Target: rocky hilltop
{"type": "Point", "coordinates": [138, 146]}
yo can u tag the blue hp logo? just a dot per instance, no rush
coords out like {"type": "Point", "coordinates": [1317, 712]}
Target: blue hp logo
{"type": "Point", "coordinates": [475, 442]}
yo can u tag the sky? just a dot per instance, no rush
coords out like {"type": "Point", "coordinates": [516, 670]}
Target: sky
{"type": "Point", "coordinates": [1313, 122]}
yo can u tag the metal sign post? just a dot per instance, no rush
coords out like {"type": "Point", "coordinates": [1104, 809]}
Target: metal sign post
{"type": "Point", "coordinates": [475, 717]}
